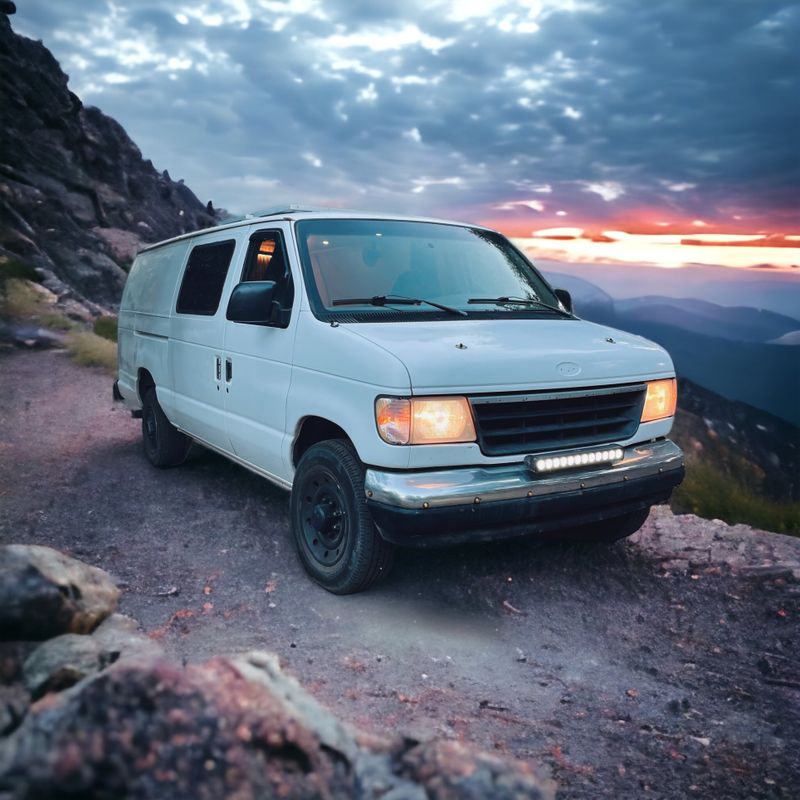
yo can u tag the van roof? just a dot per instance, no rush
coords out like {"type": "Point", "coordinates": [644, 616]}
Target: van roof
{"type": "Point", "coordinates": [295, 211]}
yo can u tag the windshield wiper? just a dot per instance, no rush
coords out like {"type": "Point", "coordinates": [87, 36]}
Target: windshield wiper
{"type": "Point", "coordinates": [521, 301]}
{"type": "Point", "coordinates": [395, 300]}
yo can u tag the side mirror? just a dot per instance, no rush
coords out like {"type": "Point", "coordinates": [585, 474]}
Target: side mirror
{"type": "Point", "coordinates": [251, 302]}
{"type": "Point", "coordinates": [565, 297]}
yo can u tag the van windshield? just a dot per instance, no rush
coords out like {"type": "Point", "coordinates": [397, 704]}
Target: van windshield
{"type": "Point", "coordinates": [356, 268]}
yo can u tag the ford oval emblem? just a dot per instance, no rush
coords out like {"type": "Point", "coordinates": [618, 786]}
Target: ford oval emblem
{"type": "Point", "coordinates": [568, 369]}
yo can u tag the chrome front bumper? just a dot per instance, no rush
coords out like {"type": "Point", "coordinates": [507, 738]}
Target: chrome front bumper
{"type": "Point", "coordinates": [475, 485]}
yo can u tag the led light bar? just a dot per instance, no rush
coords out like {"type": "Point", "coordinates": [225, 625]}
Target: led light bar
{"type": "Point", "coordinates": [572, 460]}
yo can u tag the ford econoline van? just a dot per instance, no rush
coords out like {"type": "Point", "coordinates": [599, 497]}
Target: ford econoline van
{"type": "Point", "coordinates": [411, 381]}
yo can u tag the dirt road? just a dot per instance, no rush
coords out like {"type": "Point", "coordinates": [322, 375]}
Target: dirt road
{"type": "Point", "coordinates": [666, 666]}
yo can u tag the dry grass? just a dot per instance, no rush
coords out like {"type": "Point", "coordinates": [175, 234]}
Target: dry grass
{"type": "Point", "coordinates": [11, 268]}
{"type": "Point", "coordinates": [57, 322]}
{"type": "Point", "coordinates": [106, 327]}
{"type": "Point", "coordinates": [18, 298]}
{"type": "Point", "coordinates": [711, 493]}
{"type": "Point", "coordinates": [21, 299]}
{"type": "Point", "coordinates": [91, 350]}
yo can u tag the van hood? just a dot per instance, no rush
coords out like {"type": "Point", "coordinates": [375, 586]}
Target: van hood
{"type": "Point", "coordinates": [515, 354]}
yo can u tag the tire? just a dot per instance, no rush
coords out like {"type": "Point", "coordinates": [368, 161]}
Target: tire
{"type": "Point", "coordinates": [164, 445]}
{"type": "Point", "coordinates": [336, 539]}
{"type": "Point", "coordinates": [610, 530]}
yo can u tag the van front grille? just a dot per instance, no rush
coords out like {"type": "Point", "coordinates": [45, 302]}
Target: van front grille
{"type": "Point", "coordinates": [542, 421]}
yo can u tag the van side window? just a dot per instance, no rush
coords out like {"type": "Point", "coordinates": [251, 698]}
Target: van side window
{"type": "Point", "coordinates": [204, 278]}
{"type": "Point", "coordinates": [266, 261]}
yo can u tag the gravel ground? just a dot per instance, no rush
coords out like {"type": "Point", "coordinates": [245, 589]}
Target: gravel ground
{"type": "Point", "coordinates": [665, 666]}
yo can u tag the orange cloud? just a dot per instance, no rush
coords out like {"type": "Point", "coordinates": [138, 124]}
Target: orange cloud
{"type": "Point", "coordinates": [669, 250]}
{"type": "Point", "coordinates": [645, 236]}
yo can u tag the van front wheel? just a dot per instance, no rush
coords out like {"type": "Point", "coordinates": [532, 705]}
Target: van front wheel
{"type": "Point", "coordinates": [335, 537]}
{"type": "Point", "coordinates": [164, 444]}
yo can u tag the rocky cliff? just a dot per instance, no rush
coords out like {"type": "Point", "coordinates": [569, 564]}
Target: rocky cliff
{"type": "Point", "coordinates": [77, 199]}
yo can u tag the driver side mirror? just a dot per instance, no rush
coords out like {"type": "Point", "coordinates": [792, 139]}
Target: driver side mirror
{"type": "Point", "coordinates": [565, 298]}
{"type": "Point", "coordinates": [251, 303]}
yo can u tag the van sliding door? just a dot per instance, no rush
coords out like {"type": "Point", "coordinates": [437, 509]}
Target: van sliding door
{"type": "Point", "coordinates": [196, 355]}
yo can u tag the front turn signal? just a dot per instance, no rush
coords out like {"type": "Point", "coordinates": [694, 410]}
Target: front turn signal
{"type": "Point", "coordinates": [393, 417]}
{"type": "Point", "coordinates": [661, 400]}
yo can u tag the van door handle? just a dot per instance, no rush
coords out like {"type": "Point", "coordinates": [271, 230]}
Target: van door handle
{"type": "Point", "coordinates": [228, 370]}
{"type": "Point", "coordinates": [218, 367]}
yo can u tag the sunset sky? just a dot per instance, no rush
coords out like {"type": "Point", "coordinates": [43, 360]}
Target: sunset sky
{"type": "Point", "coordinates": [671, 118]}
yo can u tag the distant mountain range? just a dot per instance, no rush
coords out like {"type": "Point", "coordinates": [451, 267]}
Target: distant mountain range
{"type": "Point", "coordinates": [739, 324]}
{"type": "Point", "coordinates": [741, 353]}
{"type": "Point", "coordinates": [772, 289]}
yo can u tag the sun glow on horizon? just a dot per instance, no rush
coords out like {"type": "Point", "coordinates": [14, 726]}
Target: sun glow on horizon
{"type": "Point", "coordinates": [668, 250]}
{"type": "Point", "coordinates": [730, 237]}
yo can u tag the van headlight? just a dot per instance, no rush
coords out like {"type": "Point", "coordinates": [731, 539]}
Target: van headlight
{"type": "Point", "coordinates": [424, 420]}
{"type": "Point", "coordinates": [661, 400]}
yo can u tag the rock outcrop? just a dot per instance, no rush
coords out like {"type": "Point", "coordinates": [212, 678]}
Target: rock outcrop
{"type": "Point", "coordinates": [44, 593]}
{"type": "Point", "coordinates": [76, 197]}
{"type": "Point", "coordinates": [230, 728]}
{"type": "Point", "coordinates": [112, 717]}
{"type": "Point", "coordinates": [61, 662]}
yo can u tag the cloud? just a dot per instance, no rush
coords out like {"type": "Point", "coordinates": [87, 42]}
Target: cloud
{"type": "Point", "coordinates": [671, 109]}
{"type": "Point", "coordinates": [679, 187]}
{"type": "Point", "coordinates": [534, 205]}
{"type": "Point", "coordinates": [608, 190]}
{"type": "Point", "coordinates": [421, 184]}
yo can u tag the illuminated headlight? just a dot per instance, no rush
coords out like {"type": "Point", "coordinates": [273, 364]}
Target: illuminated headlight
{"type": "Point", "coordinates": [424, 420]}
{"type": "Point", "coordinates": [571, 460]}
{"type": "Point", "coordinates": [661, 400]}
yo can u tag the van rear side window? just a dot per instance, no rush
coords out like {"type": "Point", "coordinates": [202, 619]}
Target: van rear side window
{"type": "Point", "coordinates": [204, 278]}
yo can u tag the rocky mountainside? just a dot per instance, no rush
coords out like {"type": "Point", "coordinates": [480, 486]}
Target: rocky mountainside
{"type": "Point", "coordinates": [77, 198]}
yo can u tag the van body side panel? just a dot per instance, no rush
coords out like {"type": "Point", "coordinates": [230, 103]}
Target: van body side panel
{"type": "Point", "coordinates": [337, 376]}
{"type": "Point", "coordinates": [195, 344]}
{"type": "Point", "coordinates": [153, 280]}
{"type": "Point", "coordinates": [144, 323]}
{"type": "Point", "coordinates": [259, 358]}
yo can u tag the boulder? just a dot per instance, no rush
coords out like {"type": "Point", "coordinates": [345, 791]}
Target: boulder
{"type": "Point", "coordinates": [450, 770]}
{"type": "Point", "coordinates": [230, 728]}
{"type": "Point", "coordinates": [123, 244]}
{"type": "Point", "coordinates": [61, 662]}
{"type": "Point", "coordinates": [44, 593]}
{"type": "Point", "coordinates": [14, 697]}
{"type": "Point", "coordinates": [14, 701]}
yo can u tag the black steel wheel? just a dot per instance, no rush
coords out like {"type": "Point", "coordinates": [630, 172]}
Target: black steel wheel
{"type": "Point", "coordinates": [323, 516]}
{"type": "Point", "coordinates": [336, 539]}
{"type": "Point", "coordinates": [164, 444]}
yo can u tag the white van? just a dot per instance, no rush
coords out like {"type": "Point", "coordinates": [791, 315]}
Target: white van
{"type": "Point", "coordinates": [411, 381]}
